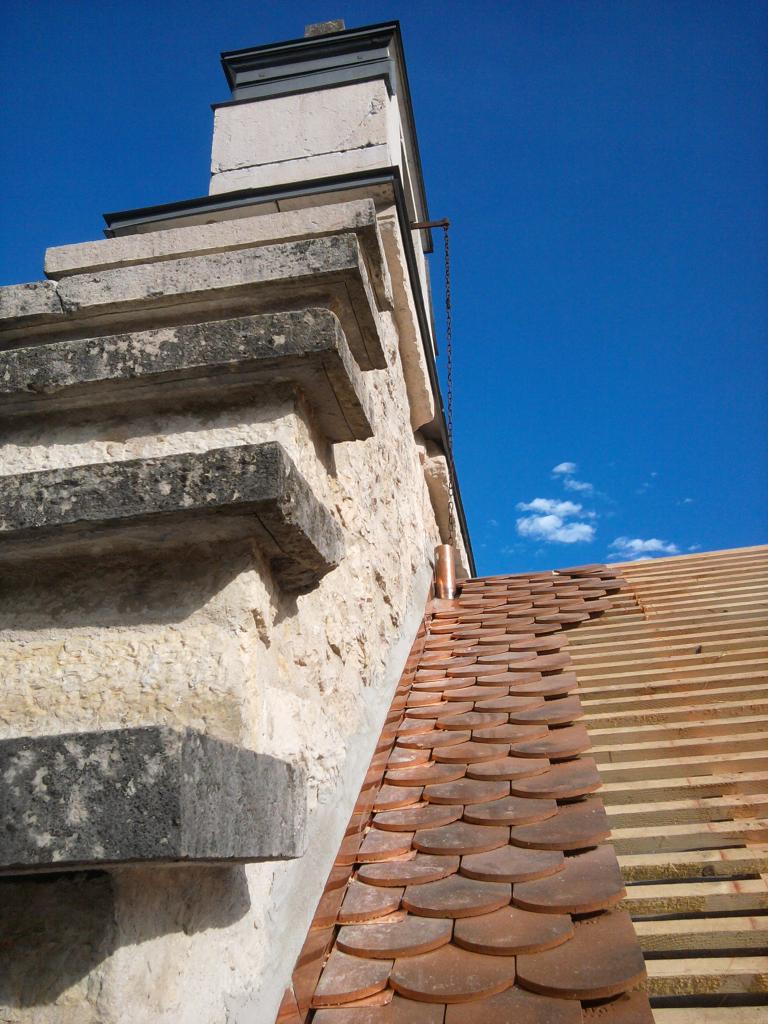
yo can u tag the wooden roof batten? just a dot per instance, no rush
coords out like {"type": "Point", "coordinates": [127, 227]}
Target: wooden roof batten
{"type": "Point", "coordinates": [673, 680]}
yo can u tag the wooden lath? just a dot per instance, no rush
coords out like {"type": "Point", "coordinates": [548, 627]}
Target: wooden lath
{"type": "Point", "coordinates": [674, 680]}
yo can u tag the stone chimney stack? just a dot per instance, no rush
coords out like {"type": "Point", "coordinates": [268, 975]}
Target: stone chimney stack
{"type": "Point", "coordinates": [223, 476]}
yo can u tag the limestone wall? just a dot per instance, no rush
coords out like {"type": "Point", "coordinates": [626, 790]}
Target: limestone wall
{"type": "Point", "coordinates": [203, 636]}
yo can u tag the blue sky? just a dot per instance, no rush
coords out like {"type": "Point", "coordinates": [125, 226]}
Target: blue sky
{"type": "Point", "coordinates": [604, 166]}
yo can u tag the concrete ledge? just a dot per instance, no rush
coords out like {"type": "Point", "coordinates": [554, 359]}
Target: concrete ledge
{"type": "Point", "coordinates": [155, 794]}
{"type": "Point", "coordinates": [328, 271]}
{"type": "Point", "coordinates": [249, 228]}
{"type": "Point", "coordinates": [213, 362]}
{"type": "Point", "coordinates": [245, 491]}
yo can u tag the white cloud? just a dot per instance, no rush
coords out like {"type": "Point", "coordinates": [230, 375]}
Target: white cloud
{"type": "Point", "coordinates": [572, 484]}
{"type": "Point", "coordinates": [555, 521]}
{"type": "Point", "coordinates": [554, 528]}
{"type": "Point", "coordinates": [695, 547]}
{"type": "Point", "coordinates": [635, 547]}
{"type": "Point", "coordinates": [567, 471]}
{"type": "Point", "coordinates": [687, 501]}
{"type": "Point", "coordinates": [550, 505]}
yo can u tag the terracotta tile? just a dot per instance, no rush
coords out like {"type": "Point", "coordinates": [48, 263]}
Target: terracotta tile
{"type": "Point", "coordinates": [509, 733]}
{"type": "Point", "coordinates": [562, 782]}
{"type": "Point", "coordinates": [577, 825]}
{"type": "Point", "coordinates": [478, 648]}
{"type": "Point", "coordinates": [390, 798]}
{"type": "Point", "coordinates": [452, 975]}
{"type": "Point", "coordinates": [509, 704]}
{"type": "Point", "coordinates": [447, 664]}
{"type": "Point", "coordinates": [422, 868]}
{"type": "Point", "coordinates": [472, 633]}
{"type": "Point", "coordinates": [511, 864]}
{"type": "Point", "coordinates": [521, 658]}
{"type": "Point", "coordinates": [310, 964]}
{"type": "Point", "coordinates": [510, 930]}
{"type": "Point", "coordinates": [589, 882]}
{"type": "Point", "coordinates": [345, 978]}
{"type": "Point", "coordinates": [289, 1010]}
{"type": "Point", "coordinates": [467, 752]}
{"type": "Point", "coordinates": [630, 1008]}
{"type": "Point", "coordinates": [456, 896]}
{"type": "Point", "coordinates": [443, 685]}
{"type": "Point", "coordinates": [515, 1006]}
{"type": "Point", "coordinates": [468, 791]}
{"type": "Point", "coordinates": [461, 837]}
{"type": "Point", "coordinates": [367, 902]}
{"type": "Point", "coordinates": [439, 739]}
{"type": "Point", "coordinates": [563, 618]}
{"type": "Point", "coordinates": [558, 711]}
{"type": "Point", "coordinates": [474, 693]}
{"type": "Point", "coordinates": [419, 699]}
{"type": "Point", "coordinates": [415, 727]}
{"type": "Point", "coordinates": [539, 644]}
{"type": "Point", "coordinates": [602, 959]}
{"type": "Point", "coordinates": [511, 810]}
{"type": "Point", "coordinates": [348, 850]}
{"type": "Point", "coordinates": [375, 1002]}
{"type": "Point", "coordinates": [409, 937]}
{"type": "Point", "coordinates": [513, 769]}
{"type": "Point", "coordinates": [426, 774]}
{"type": "Point", "coordinates": [548, 686]}
{"type": "Point", "coordinates": [379, 845]}
{"type": "Point", "coordinates": [472, 720]}
{"type": "Point", "coordinates": [422, 816]}
{"type": "Point", "coordinates": [509, 679]}
{"type": "Point", "coordinates": [328, 908]}
{"type": "Point", "coordinates": [442, 709]}
{"type": "Point", "coordinates": [407, 758]}
{"type": "Point", "coordinates": [564, 742]}
{"type": "Point", "coordinates": [593, 569]}
{"type": "Point", "coordinates": [398, 1011]}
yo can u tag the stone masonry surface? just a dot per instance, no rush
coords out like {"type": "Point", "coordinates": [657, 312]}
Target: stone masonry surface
{"type": "Point", "coordinates": [251, 489]}
{"type": "Point", "coordinates": [195, 362]}
{"type": "Point", "coordinates": [146, 794]}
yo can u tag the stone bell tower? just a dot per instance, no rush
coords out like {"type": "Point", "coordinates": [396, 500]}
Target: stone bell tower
{"type": "Point", "coordinates": [224, 470]}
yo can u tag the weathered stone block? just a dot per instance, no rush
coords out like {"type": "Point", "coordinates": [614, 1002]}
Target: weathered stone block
{"type": "Point", "coordinates": [328, 271]}
{"type": "Point", "coordinates": [213, 362]}
{"type": "Point", "coordinates": [249, 227]}
{"type": "Point", "coordinates": [247, 490]}
{"type": "Point", "coordinates": [144, 794]}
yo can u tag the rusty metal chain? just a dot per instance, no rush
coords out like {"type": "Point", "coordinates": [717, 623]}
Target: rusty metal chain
{"type": "Point", "coordinates": [449, 381]}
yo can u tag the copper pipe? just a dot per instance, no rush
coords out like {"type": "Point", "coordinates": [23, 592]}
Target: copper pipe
{"type": "Point", "coordinates": [445, 572]}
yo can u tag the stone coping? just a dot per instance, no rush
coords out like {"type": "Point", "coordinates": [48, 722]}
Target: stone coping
{"type": "Point", "coordinates": [250, 491]}
{"type": "Point", "coordinates": [328, 271]}
{"type": "Point", "coordinates": [215, 362]}
{"type": "Point", "coordinates": [358, 216]}
{"type": "Point", "coordinates": [145, 794]}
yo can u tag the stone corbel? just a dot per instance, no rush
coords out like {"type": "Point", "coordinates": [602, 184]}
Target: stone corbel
{"type": "Point", "coordinates": [144, 795]}
{"type": "Point", "coordinates": [250, 491]}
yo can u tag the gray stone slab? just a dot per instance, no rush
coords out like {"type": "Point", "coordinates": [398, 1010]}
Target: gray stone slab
{"type": "Point", "coordinates": [244, 491]}
{"type": "Point", "coordinates": [239, 226]}
{"type": "Point", "coordinates": [144, 794]}
{"type": "Point", "coordinates": [215, 362]}
{"type": "Point", "coordinates": [21, 303]}
{"type": "Point", "coordinates": [328, 271]}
